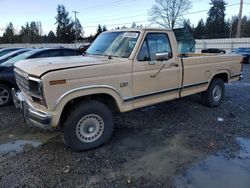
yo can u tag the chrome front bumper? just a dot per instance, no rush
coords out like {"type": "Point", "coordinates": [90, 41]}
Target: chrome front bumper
{"type": "Point", "coordinates": [31, 115]}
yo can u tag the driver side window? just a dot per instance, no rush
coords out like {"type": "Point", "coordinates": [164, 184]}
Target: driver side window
{"type": "Point", "coordinates": [154, 43]}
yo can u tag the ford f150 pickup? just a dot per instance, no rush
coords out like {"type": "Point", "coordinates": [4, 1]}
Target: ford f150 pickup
{"type": "Point", "coordinates": [122, 70]}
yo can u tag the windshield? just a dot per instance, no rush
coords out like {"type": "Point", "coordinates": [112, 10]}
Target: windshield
{"type": "Point", "coordinates": [23, 56]}
{"type": "Point", "coordinates": [4, 51]}
{"type": "Point", "coordinates": [115, 44]}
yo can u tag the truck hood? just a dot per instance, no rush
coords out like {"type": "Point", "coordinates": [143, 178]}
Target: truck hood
{"type": "Point", "coordinates": [38, 67]}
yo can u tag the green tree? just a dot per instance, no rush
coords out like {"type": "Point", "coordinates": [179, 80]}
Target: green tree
{"type": "Point", "coordinates": [215, 25]}
{"type": "Point", "coordinates": [98, 31]}
{"type": "Point", "coordinates": [51, 38]}
{"type": "Point", "coordinates": [25, 34]}
{"type": "Point", "coordinates": [78, 29]}
{"type": "Point", "coordinates": [65, 26]}
{"type": "Point", "coordinates": [34, 33]}
{"type": "Point", "coordinates": [133, 25]}
{"type": "Point", "coordinates": [245, 25]}
{"type": "Point", "coordinates": [199, 30]}
{"type": "Point", "coordinates": [8, 35]}
{"type": "Point", "coordinates": [187, 24]}
{"type": "Point", "coordinates": [104, 28]}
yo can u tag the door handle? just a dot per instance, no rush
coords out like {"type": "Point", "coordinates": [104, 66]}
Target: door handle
{"type": "Point", "coordinates": [173, 64]}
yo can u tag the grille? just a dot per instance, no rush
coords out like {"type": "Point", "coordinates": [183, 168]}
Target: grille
{"type": "Point", "coordinates": [22, 83]}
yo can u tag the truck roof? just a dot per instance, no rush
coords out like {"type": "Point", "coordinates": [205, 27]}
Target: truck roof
{"type": "Point", "coordinates": [140, 29]}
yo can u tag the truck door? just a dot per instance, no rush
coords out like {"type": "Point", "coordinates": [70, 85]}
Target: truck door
{"type": "Point", "coordinates": [155, 81]}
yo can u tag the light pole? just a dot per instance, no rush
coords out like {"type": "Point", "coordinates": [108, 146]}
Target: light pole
{"type": "Point", "coordinates": [75, 12]}
{"type": "Point", "coordinates": [239, 20]}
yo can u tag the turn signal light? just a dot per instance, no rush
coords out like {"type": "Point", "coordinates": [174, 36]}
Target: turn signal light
{"type": "Point", "coordinates": [57, 82]}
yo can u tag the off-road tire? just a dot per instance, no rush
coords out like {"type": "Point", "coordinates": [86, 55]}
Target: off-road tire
{"type": "Point", "coordinates": [78, 119]}
{"type": "Point", "coordinates": [214, 95]}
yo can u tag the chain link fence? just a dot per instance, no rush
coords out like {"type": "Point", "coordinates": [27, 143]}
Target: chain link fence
{"type": "Point", "coordinates": [41, 45]}
{"type": "Point", "coordinates": [227, 44]}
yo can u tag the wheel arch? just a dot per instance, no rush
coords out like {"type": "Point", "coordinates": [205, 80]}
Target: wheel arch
{"type": "Point", "coordinates": [109, 97]}
{"type": "Point", "coordinates": [224, 75]}
{"type": "Point", "coordinates": [9, 84]}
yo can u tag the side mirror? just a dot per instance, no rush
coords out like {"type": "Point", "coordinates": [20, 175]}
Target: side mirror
{"type": "Point", "coordinates": [162, 56]}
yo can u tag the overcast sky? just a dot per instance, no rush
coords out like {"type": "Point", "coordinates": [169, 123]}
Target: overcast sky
{"type": "Point", "coordinates": [112, 13]}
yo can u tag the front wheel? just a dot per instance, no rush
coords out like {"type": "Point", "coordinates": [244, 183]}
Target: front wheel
{"type": "Point", "coordinates": [5, 95]}
{"type": "Point", "coordinates": [215, 93]}
{"type": "Point", "coordinates": [88, 126]}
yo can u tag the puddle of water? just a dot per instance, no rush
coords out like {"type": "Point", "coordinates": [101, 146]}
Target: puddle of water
{"type": "Point", "coordinates": [18, 146]}
{"type": "Point", "coordinates": [161, 161]}
{"type": "Point", "coordinates": [13, 140]}
{"type": "Point", "coordinates": [217, 171]}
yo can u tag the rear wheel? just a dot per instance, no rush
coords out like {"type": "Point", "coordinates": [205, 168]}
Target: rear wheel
{"type": "Point", "coordinates": [5, 95]}
{"type": "Point", "coordinates": [215, 93]}
{"type": "Point", "coordinates": [88, 126]}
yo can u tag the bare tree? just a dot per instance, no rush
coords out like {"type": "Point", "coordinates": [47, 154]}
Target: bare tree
{"type": "Point", "coordinates": [168, 13]}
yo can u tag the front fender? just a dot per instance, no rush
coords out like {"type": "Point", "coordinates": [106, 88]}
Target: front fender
{"type": "Point", "coordinates": [87, 91]}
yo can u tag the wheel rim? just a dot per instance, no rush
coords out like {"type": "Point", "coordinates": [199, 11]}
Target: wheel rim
{"type": "Point", "coordinates": [217, 93]}
{"type": "Point", "coordinates": [4, 96]}
{"type": "Point", "coordinates": [89, 128]}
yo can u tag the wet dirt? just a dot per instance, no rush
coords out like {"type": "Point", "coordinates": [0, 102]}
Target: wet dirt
{"type": "Point", "coordinates": [173, 144]}
{"type": "Point", "coordinates": [219, 171]}
{"type": "Point", "coordinates": [15, 135]}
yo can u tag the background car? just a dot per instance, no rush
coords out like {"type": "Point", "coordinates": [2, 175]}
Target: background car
{"type": "Point", "coordinates": [243, 51]}
{"type": "Point", "coordinates": [213, 50]}
{"type": "Point", "coordinates": [83, 48]}
{"type": "Point", "coordinates": [7, 76]}
{"type": "Point", "coordinates": [12, 54]}
{"type": "Point", "coordinates": [8, 50]}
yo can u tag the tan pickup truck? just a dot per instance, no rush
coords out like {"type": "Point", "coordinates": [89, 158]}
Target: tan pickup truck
{"type": "Point", "coordinates": [121, 71]}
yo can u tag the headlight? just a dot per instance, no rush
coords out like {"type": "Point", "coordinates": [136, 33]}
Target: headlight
{"type": "Point", "coordinates": [36, 90]}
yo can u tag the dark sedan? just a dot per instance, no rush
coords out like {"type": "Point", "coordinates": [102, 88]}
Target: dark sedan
{"type": "Point", "coordinates": [8, 50]}
{"type": "Point", "coordinates": [7, 76]}
{"type": "Point", "coordinates": [12, 54]}
{"type": "Point", "coordinates": [245, 52]}
{"type": "Point", "coordinates": [213, 50]}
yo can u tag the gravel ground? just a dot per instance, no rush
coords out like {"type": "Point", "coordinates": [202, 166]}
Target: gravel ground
{"type": "Point", "coordinates": [149, 148]}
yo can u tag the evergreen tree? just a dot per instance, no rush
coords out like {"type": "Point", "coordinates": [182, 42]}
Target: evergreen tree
{"type": "Point", "coordinates": [104, 28]}
{"type": "Point", "coordinates": [65, 26]}
{"type": "Point", "coordinates": [99, 30]}
{"type": "Point", "coordinates": [245, 24]}
{"type": "Point", "coordinates": [79, 29]}
{"type": "Point", "coordinates": [51, 38]}
{"type": "Point", "coordinates": [34, 33]}
{"type": "Point", "coordinates": [25, 34]}
{"type": "Point", "coordinates": [133, 25]}
{"type": "Point", "coordinates": [199, 31]}
{"type": "Point", "coordinates": [187, 24]}
{"type": "Point", "coordinates": [8, 35]}
{"type": "Point", "coordinates": [215, 24]}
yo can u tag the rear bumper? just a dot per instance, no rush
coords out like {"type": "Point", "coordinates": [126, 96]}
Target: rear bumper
{"type": "Point", "coordinates": [31, 114]}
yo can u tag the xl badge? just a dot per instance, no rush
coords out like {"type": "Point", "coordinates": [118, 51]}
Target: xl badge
{"type": "Point", "coordinates": [124, 84]}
